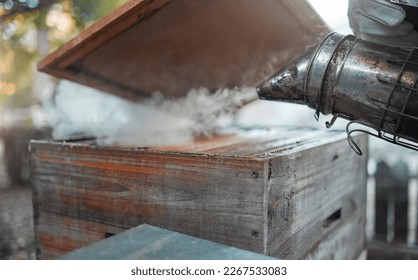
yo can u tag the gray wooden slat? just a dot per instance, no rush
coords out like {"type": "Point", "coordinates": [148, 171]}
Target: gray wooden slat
{"type": "Point", "coordinates": [383, 186]}
{"type": "Point", "coordinates": [391, 219]}
{"type": "Point", "coordinates": [401, 173]}
{"type": "Point", "coordinates": [147, 242]}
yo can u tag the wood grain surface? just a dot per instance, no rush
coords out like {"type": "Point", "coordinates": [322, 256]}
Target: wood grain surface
{"type": "Point", "coordinates": [305, 190]}
{"type": "Point", "coordinates": [267, 193]}
{"type": "Point", "coordinates": [172, 46]}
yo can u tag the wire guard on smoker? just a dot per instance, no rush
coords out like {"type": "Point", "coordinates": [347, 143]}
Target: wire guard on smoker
{"type": "Point", "coordinates": [368, 84]}
{"type": "Point", "coordinates": [403, 118]}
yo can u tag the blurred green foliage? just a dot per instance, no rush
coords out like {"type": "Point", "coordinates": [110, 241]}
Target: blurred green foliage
{"type": "Point", "coordinates": [29, 29]}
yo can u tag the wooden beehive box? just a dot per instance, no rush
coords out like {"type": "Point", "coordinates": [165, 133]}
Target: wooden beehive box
{"type": "Point", "coordinates": [287, 193]}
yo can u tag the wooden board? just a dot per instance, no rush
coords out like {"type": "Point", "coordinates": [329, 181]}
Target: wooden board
{"type": "Point", "coordinates": [313, 200]}
{"type": "Point", "coordinates": [271, 191]}
{"type": "Point", "coordinates": [382, 250]}
{"type": "Point", "coordinates": [146, 242]}
{"type": "Point", "coordinates": [172, 46]}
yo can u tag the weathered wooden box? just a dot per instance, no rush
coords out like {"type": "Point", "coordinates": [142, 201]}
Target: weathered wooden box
{"type": "Point", "coordinates": [287, 193]}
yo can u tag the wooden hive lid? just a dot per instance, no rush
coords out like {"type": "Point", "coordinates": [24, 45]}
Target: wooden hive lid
{"type": "Point", "coordinates": [172, 46]}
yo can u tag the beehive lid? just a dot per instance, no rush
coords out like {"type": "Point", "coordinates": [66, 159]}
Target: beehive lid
{"type": "Point", "coordinates": [172, 46]}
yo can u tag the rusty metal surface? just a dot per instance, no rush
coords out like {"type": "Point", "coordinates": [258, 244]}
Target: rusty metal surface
{"type": "Point", "coordinates": [366, 83]}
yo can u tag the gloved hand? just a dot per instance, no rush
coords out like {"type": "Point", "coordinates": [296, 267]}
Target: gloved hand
{"type": "Point", "coordinates": [382, 22]}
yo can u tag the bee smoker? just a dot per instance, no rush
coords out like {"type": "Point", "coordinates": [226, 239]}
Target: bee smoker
{"type": "Point", "coordinates": [366, 83]}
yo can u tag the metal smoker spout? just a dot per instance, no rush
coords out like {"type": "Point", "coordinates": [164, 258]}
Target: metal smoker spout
{"type": "Point", "coordinates": [366, 83]}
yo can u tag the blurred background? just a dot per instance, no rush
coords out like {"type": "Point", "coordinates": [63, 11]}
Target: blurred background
{"type": "Point", "coordinates": [29, 30]}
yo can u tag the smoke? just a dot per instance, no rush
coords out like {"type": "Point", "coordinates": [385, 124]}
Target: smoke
{"type": "Point", "coordinates": [157, 121]}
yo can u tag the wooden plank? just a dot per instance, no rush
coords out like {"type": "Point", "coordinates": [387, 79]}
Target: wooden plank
{"type": "Point", "coordinates": [346, 241]}
{"type": "Point", "coordinates": [382, 250]}
{"type": "Point", "coordinates": [212, 198]}
{"type": "Point", "coordinates": [401, 172]}
{"type": "Point", "coordinates": [58, 234]}
{"type": "Point", "coordinates": [257, 142]}
{"type": "Point", "coordinates": [173, 46]}
{"type": "Point", "coordinates": [383, 179]}
{"type": "Point", "coordinates": [114, 23]}
{"type": "Point", "coordinates": [244, 143]}
{"type": "Point", "coordinates": [146, 242]}
{"type": "Point", "coordinates": [254, 143]}
{"type": "Point", "coordinates": [391, 219]}
{"type": "Point", "coordinates": [306, 201]}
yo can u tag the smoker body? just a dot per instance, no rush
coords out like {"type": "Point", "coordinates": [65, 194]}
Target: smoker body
{"type": "Point", "coordinates": [367, 83]}
{"type": "Point", "coordinates": [283, 192]}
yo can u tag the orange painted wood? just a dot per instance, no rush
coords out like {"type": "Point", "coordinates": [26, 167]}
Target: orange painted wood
{"type": "Point", "coordinates": [172, 46]}
{"type": "Point", "coordinates": [57, 234]}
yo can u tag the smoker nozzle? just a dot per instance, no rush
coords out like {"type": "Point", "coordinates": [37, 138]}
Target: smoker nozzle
{"type": "Point", "coordinates": [366, 83]}
{"type": "Point", "coordinates": [304, 80]}
{"type": "Point", "coordinates": [287, 84]}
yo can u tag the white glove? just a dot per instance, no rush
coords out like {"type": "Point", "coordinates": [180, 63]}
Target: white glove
{"type": "Point", "coordinates": [382, 22]}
